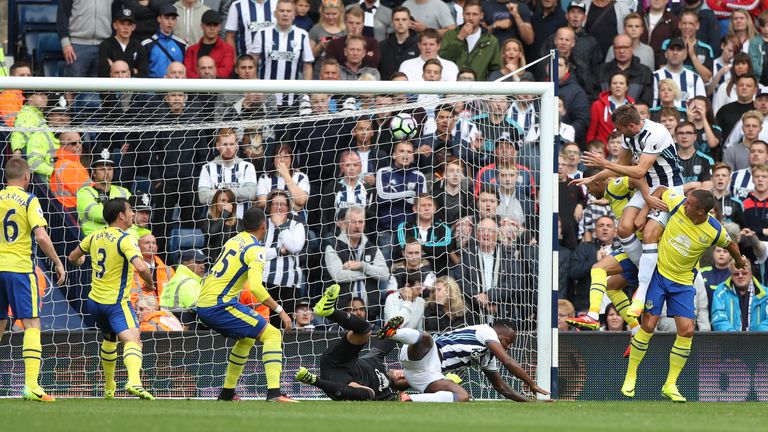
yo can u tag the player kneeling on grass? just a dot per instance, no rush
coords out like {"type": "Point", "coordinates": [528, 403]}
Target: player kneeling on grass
{"type": "Point", "coordinates": [114, 255]}
{"type": "Point", "coordinates": [344, 375]}
{"type": "Point", "coordinates": [241, 259]}
{"type": "Point", "coordinates": [426, 359]}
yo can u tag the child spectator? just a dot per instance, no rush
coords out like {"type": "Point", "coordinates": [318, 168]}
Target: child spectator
{"type": "Point", "coordinates": [614, 145]}
{"type": "Point", "coordinates": [303, 21]}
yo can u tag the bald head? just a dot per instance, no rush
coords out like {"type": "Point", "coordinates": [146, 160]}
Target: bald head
{"type": "Point", "coordinates": [206, 67]}
{"type": "Point", "coordinates": [176, 70]}
{"type": "Point", "coordinates": [622, 49]}
{"type": "Point", "coordinates": [565, 40]}
{"type": "Point", "coordinates": [119, 69]}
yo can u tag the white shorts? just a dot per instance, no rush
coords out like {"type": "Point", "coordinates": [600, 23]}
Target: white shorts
{"type": "Point", "coordinates": [421, 373]}
{"type": "Point", "coordinates": [638, 201]}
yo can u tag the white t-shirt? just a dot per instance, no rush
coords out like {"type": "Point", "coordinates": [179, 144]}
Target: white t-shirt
{"type": "Point", "coordinates": [472, 39]}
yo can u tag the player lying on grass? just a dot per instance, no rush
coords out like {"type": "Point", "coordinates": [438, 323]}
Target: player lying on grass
{"type": "Point", "coordinates": [241, 259]}
{"type": "Point", "coordinates": [426, 358]}
{"type": "Point", "coordinates": [691, 230]}
{"type": "Point", "coordinates": [114, 256]}
{"type": "Point", "coordinates": [344, 374]}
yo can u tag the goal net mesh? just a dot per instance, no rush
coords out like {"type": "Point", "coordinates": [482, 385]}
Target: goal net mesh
{"type": "Point", "coordinates": [450, 220]}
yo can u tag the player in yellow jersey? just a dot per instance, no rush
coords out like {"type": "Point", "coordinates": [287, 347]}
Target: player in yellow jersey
{"type": "Point", "coordinates": [689, 232]}
{"type": "Point", "coordinates": [23, 225]}
{"type": "Point", "coordinates": [241, 259]}
{"type": "Point", "coordinates": [114, 256]}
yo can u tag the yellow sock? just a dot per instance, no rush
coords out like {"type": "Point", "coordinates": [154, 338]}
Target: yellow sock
{"type": "Point", "coordinates": [132, 358]}
{"type": "Point", "coordinates": [108, 355]}
{"type": "Point", "coordinates": [597, 289]}
{"type": "Point", "coordinates": [639, 345]}
{"type": "Point", "coordinates": [622, 302]}
{"type": "Point", "coordinates": [677, 358]}
{"type": "Point", "coordinates": [237, 359]}
{"type": "Point", "coordinates": [272, 355]}
{"type": "Point", "coordinates": [32, 352]}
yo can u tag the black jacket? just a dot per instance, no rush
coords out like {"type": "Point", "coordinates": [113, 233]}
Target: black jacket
{"type": "Point", "coordinates": [395, 54]}
{"type": "Point", "coordinates": [640, 79]}
{"type": "Point", "coordinates": [576, 106]}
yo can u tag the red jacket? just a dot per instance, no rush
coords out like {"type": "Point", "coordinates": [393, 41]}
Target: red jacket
{"type": "Point", "coordinates": [600, 123]}
{"type": "Point", "coordinates": [222, 53]}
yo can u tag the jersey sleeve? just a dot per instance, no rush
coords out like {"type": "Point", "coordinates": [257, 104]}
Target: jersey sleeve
{"type": "Point", "coordinates": [35, 214]}
{"type": "Point", "coordinates": [485, 334]}
{"type": "Point", "coordinates": [255, 256]}
{"type": "Point", "coordinates": [127, 244]}
{"type": "Point", "coordinates": [85, 244]}
{"type": "Point", "coordinates": [672, 199]}
{"type": "Point", "coordinates": [723, 240]}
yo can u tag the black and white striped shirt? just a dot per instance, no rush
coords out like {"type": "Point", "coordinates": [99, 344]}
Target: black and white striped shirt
{"type": "Point", "coordinates": [654, 138]}
{"type": "Point", "coordinates": [282, 55]}
{"type": "Point", "coordinates": [268, 183]}
{"type": "Point", "coordinates": [467, 347]}
{"type": "Point", "coordinates": [217, 176]}
{"type": "Point", "coordinates": [690, 84]}
{"type": "Point", "coordinates": [247, 18]}
{"type": "Point", "coordinates": [741, 183]}
{"type": "Point", "coordinates": [284, 270]}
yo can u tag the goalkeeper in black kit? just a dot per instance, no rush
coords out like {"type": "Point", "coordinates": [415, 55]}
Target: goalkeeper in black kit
{"type": "Point", "coordinates": [344, 374]}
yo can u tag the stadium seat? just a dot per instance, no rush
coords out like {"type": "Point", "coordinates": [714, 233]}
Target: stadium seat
{"type": "Point", "coordinates": [183, 239]}
{"type": "Point", "coordinates": [47, 47]}
{"type": "Point", "coordinates": [37, 17]}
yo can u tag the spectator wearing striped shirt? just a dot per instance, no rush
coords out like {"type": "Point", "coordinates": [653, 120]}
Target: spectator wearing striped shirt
{"type": "Point", "coordinates": [741, 180]}
{"type": "Point", "coordinates": [350, 190]}
{"type": "Point", "coordinates": [691, 84]}
{"type": "Point", "coordinates": [721, 67]}
{"type": "Point", "coordinates": [700, 55]}
{"type": "Point", "coordinates": [284, 177]}
{"type": "Point", "coordinates": [246, 18]}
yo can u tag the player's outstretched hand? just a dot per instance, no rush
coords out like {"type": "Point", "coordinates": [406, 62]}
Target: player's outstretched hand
{"type": "Point", "coordinates": [287, 324]}
{"type": "Point", "coordinates": [581, 182]}
{"type": "Point", "coordinates": [742, 262]}
{"type": "Point", "coordinates": [539, 390]}
{"type": "Point", "coordinates": [594, 159]}
{"type": "Point", "coordinates": [61, 273]}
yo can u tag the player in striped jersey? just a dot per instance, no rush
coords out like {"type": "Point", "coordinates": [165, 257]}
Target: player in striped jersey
{"type": "Point", "coordinates": [690, 82]}
{"type": "Point", "coordinates": [284, 50]}
{"type": "Point", "coordinates": [426, 358]}
{"type": "Point", "coordinates": [652, 147]}
{"type": "Point", "coordinates": [245, 20]}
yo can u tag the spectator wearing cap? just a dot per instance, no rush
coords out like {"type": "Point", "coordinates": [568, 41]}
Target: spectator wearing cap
{"type": "Point", "coordinates": [701, 56]}
{"type": "Point", "coordinates": [145, 13]}
{"type": "Point", "coordinates": [624, 59]}
{"type": "Point", "coordinates": [180, 293]}
{"type": "Point", "coordinates": [190, 16]}
{"type": "Point", "coordinates": [660, 24]}
{"type": "Point", "coordinates": [303, 316]}
{"type": "Point", "coordinates": [69, 174]}
{"type": "Point", "coordinates": [164, 47]}
{"type": "Point", "coordinates": [689, 82]}
{"type": "Point", "coordinates": [211, 45]}
{"type": "Point", "coordinates": [469, 46]}
{"type": "Point", "coordinates": [493, 124]}
{"type": "Point", "coordinates": [246, 18]}
{"type": "Point", "coordinates": [82, 25]}
{"type": "Point", "coordinates": [122, 46]}
{"type": "Point", "coordinates": [161, 273]}
{"type": "Point", "coordinates": [12, 100]}
{"type": "Point", "coordinates": [40, 147]}
{"type": "Point", "coordinates": [587, 48]}
{"type": "Point", "coordinates": [141, 203]}
{"type": "Point", "coordinates": [91, 199]}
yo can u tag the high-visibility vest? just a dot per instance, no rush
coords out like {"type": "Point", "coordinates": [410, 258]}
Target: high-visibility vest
{"type": "Point", "coordinates": [160, 321]}
{"type": "Point", "coordinates": [3, 71]}
{"type": "Point", "coordinates": [11, 102]}
{"type": "Point", "coordinates": [69, 175]}
{"type": "Point", "coordinates": [29, 117]}
{"type": "Point", "coordinates": [248, 299]}
{"type": "Point", "coordinates": [162, 274]}
{"type": "Point", "coordinates": [90, 211]}
{"type": "Point", "coordinates": [181, 292]}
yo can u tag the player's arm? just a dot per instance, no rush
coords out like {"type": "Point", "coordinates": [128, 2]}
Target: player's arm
{"type": "Point", "coordinates": [503, 387]}
{"type": "Point", "coordinates": [733, 251]}
{"type": "Point", "coordinates": [513, 367]}
{"type": "Point", "coordinates": [76, 257]}
{"type": "Point", "coordinates": [143, 270]}
{"type": "Point", "coordinates": [597, 160]}
{"type": "Point", "coordinates": [625, 158]}
{"type": "Point", "coordinates": [256, 285]}
{"type": "Point", "coordinates": [41, 236]}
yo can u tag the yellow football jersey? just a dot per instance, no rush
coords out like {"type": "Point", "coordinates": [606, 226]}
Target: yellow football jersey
{"type": "Point", "coordinates": [112, 251]}
{"type": "Point", "coordinates": [242, 255]}
{"type": "Point", "coordinates": [20, 214]}
{"type": "Point", "coordinates": [683, 242]}
{"type": "Point", "coordinates": [618, 193]}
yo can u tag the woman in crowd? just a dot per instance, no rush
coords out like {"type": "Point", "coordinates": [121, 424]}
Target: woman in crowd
{"type": "Point", "coordinates": [601, 125]}
{"type": "Point", "coordinates": [612, 321]}
{"type": "Point", "coordinates": [445, 308]}
{"type": "Point", "coordinates": [669, 96]}
{"type": "Point", "coordinates": [221, 223]}
{"type": "Point", "coordinates": [513, 57]}
{"type": "Point", "coordinates": [743, 27]}
{"type": "Point", "coordinates": [285, 178]}
{"type": "Point", "coordinates": [725, 94]}
{"type": "Point", "coordinates": [330, 26]}
{"type": "Point", "coordinates": [708, 133]}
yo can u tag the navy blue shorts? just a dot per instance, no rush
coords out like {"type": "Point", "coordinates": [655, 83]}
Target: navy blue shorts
{"type": "Point", "coordinates": [233, 320]}
{"type": "Point", "coordinates": [680, 299]}
{"type": "Point", "coordinates": [21, 293]}
{"type": "Point", "coordinates": [628, 268]}
{"type": "Point", "coordinates": [113, 318]}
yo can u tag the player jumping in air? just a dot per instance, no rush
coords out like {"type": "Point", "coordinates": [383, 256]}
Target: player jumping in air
{"type": "Point", "coordinates": [652, 147]}
{"type": "Point", "coordinates": [426, 358]}
{"type": "Point", "coordinates": [344, 374]}
{"type": "Point", "coordinates": [114, 255]}
{"type": "Point", "coordinates": [22, 221]}
{"type": "Point", "coordinates": [690, 231]}
{"type": "Point", "coordinates": [243, 259]}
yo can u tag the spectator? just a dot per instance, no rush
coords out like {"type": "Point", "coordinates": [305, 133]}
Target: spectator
{"type": "Point", "coordinates": [669, 117]}
{"type": "Point", "coordinates": [145, 13]}
{"type": "Point", "coordinates": [634, 26]}
{"type": "Point", "coordinates": [669, 97]}
{"type": "Point", "coordinates": [211, 45]}
{"type": "Point", "coordinates": [574, 99]}
{"type": "Point", "coordinates": [737, 155]}
{"type": "Point", "coordinates": [728, 203]}
{"type": "Point", "coordinates": [284, 241]}
{"type": "Point", "coordinates": [755, 202]}
{"type": "Point", "coordinates": [357, 308]}
{"type": "Point", "coordinates": [709, 135]}
{"type": "Point", "coordinates": [356, 263]}
{"type": "Point", "coordinates": [141, 204]}
{"type": "Point", "coordinates": [407, 302]}
{"type": "Point", "coordinates": [572, 203]}
{"type": "Point", "coordinates": [152, 319]}
{"type": "Point", "coordinates": [164, 47]}
{"type": "Point", "coordinates": [743, 27]}
{"type": "Point", "coordinates": [716, 273]}
{"type": "Point", "coordinates": [180, 293]}
{"type": "Point", "coordinates": [721, 68]}
{"type": "Point", "coordinates": [30, 116]}
{"type": "Point", "coordinates": [617, 95]}
{"type": "Point", "coordinates": [412, 261]}
{"type": "Point", "coordinates": [228, 171]}
{"type": "Point", "coordinates": [190, 14]}
{"type": "Point", "coordinates": [491, 126]}
{"type": "Point", "coordinates": [611, 321]}
{"type": "Point", "coordinates": [513, 58]}
{"type": "Point", "coordinates": [728, 115]}
{"type": "Point", "coordinates": [741, 180]}
{"type": "Point", "coordinates": [506, 155]}
{"type": "Point", "coordinates": [469, 46]}
{"type": "Point", "coordinates": [122, 46]}
{"type": "Point", "coordinates": [507, 20]}
{"type": "Point", "coordinates": [757, 51]}
{"type": "Point", "coordinates": [661, 24]}
{"type": "Point", "coordinates": [639, 76]}
{"type": "Point", "coordinates": [330, 26]}
{"type": "Point", "coordinates": [161, 273]}
{"type": "Point", "coordinates": [242, 26]}
{"type": "Point", "coordinates": [615, 139]}
{"type": "Point", "coordinates": [565, 310]}
{"type": "Point", "coordinates": [429, 47]}
{"type": "Point", "coordinates": [11, 100]}
{"type": "Point", "coordinates": [605, 20]}
{"type": "Point", "coordinates": [435, 236]}
{"type": "Point", "coordinates": [709, 29]}
{"type": "Point", "coordinates": [396, 188]}
{"type": "Point", "coordinates": [69, 174]}
{"type": "Point", "coordinates": [353, 22]}
{"type": "Point", "coordinates": [584, 257]}
{"type": "Point", "coordinates": [39, 148]}
{"type": "Point", "coordinates": [303, 316]}
{"type": "Point", "coordinates": [548, 16]}
{"type": "Point", "coordinates": [176, 70]}
{"type": "Point", "coordinates": [740, 303]}
{"type": "Point", "coordinates": [251, 105]}
{"type": "Point", "coordinates": [401, 45]}
{"type": "Point", "coordinates": [354, 51]}
{"type": "Point", "coordinates": [434, 147]}
{"type": "Point", "coordinates": [432, 14]}
{"type": "Point", "coordinates": [690, 83]}
{"type": "Point", "coordinates": [82, 25]}
{"type": "Point", "coordinates": [700, 55]}
{"type": "Point", "coordinates": [726, 94]}
{"type": "Point", "coordinates": [587, 47]}
{"type": "Point", "coordinates": [378, 19]}
{"type": "Point", "coordinates": [222, 222]}
{"type": "Point", "coordinates": [351, 190]}
{"type": "Point", "coordinates": [696, 166]}
{"type": "Point", "coordinates": [761, 104]}
{"type": "Point", "coordinates": [284, 50]}
{"type": "Point", "coordinates": [453, 192]}
{"type": "Point", "coordinates": [445, 308]}
{"type": "Point", "coordinates": [303, 20]}
{"type": "Point", "coordinates": [284, 177]}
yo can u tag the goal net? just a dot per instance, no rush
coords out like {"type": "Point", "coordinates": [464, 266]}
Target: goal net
{"type": "Point", "coordinates": [429, 200]}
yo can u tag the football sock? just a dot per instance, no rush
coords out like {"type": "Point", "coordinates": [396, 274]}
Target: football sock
{"type": "Point", "coordinates": [132, 357]}
{"type": "Point", "coordinates": [621, 301]}
{"type": "Point", "coordinates": [272, 357]}
{"type": "Point", "coordinates": [638, 347]}
{"type": "Point", "coordinates": [407, 336]}
{"type": "Point", "coordinates": [441, 396]}
{"type": "Point", "coordinates": [108, 355]}
{"type": "Point", "coordinates": [645, 270]}
{"type": "Point", "coordinates": [236, 361]}
{"type": "Point", "coordinates": [677, 358]}
{"type": "Point", "coordinates": [32, 352]}
{"type": "Point", "coordinates": [597, 288]}
{"type": "Point", "coordinates": [350, 322]}
{"type": "Point", "coordinates": [632, 247]}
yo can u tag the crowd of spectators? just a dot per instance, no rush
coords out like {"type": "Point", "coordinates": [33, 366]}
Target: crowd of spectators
{"type": "Point", "coordinates": [441, 228]}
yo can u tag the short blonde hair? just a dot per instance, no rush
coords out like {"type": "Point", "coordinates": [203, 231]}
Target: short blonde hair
{"type": "Point", "coordinates": [755, 114]}
{"type": "Point", "coordinates": [673, 85]}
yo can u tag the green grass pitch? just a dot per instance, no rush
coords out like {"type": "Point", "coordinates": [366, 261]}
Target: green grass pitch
{"type": "Point", "coordinates": [197, 415]}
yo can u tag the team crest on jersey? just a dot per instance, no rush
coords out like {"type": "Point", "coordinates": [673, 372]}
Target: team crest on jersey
{"type": "Point", "coordinates": [684, 96]}
{"type": "Point", "coordinates": [727, 210]}
{"type": "Point", "coordinates": [260, 256]}
{"type": "Point", "coordinates": [697, 169]}
{"type": "Point", "coordinates": [649, 304]}
{"type": "Point", "coordinates": [704, 239]}
{"type": "Point", "coordinates": [40, 212]}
